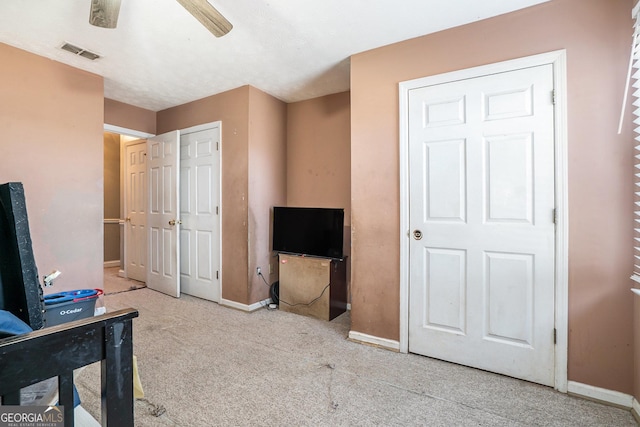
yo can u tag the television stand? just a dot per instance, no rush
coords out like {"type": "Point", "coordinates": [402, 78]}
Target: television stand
{"type": "Point", "coordinates": [303, 280]}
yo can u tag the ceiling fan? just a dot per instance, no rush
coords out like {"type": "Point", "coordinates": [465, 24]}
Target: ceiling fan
{"type": "Point", "coordinates": [104, 13]}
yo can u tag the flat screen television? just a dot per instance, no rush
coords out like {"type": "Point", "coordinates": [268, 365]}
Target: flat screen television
{"type": "Point", "coordinates": [308, 231]}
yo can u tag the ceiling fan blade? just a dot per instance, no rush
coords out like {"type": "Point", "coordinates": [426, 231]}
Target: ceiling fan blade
{"type": "Point", "coordinates": [208, 16]}
{"type": "Point", "coordinates": [104, 13]}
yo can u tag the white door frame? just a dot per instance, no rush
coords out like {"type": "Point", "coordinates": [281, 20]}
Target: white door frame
{"type": "Point", "coordinates": [559, 62]}
{"type": "Point", "coordinates": [199, 128]}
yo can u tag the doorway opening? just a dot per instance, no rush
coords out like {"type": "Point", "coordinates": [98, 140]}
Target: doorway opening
{"type": "Point", "coordinates": [114, 241]}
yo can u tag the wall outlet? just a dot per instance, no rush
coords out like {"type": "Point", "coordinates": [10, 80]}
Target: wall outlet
{"type": "Point", "coordinates": [258, 271]}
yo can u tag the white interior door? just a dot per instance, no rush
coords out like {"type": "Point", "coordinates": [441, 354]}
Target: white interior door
{"type": "Point", "coordinates": [135, 210]}
{"type": "Point", "coordinates": [199, 212]}
{"type": "Point", "coordinates": [481, 187]}
{"type": "Point", "coordinates": [163, 220]}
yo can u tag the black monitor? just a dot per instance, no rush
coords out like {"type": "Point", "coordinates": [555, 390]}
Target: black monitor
{"type": "Point", "coordinates": [309, 231]}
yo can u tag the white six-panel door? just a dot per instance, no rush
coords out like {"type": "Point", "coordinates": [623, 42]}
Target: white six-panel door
{"type": "Point", "coordinates": [136, 209]}
{"type": "Point", "coordinates": [163, 218]}
{"type": "Point", "coordinates": [481, 189]}
{"type": "Point", "coordinates": [199, 211]}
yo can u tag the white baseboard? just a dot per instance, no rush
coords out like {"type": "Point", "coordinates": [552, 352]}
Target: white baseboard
{"type": "Point", "coordinates": [377, 341]}
{"type": "Point", "coordinates": [635, 410]}
{"type": "Point", "coordinates": [604, 395]}
{"type": "Point", "coordinates": [244, 307]}
{"type": "Point", "coordinates": [115, 263]}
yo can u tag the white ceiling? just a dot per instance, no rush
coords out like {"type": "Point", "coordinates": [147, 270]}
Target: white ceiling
{"type": "Point", "coordinates": [159, 56]}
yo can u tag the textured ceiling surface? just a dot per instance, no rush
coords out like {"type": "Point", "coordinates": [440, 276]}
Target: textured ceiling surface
{"type": "Point", "coordinates": [160, 56]}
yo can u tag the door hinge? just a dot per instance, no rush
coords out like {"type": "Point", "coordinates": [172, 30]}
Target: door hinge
{"type": "Point", "coordinates": [217, 275]}
{"type": "Point", "coordinates": [217, 146]}
{"type": "Point", "coordinates": [555, 336]}
{"type": "Point", "coordinates": [217, 211]}
{"type": "Point", "coordinates": [555, 216]}
{"type": "Point", "coordinates": [553, 97]}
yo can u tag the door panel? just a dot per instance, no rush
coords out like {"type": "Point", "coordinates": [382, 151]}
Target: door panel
{"type": "Point", "coordinates": [481, 185]}
{"type": "Point", "coordinates": [446, 297]}
{"type": "Point", "coordinates": [163, 216]}
{"type": "Point", "coordinates": [445, 170]}
{"type": "Point", "coordinates": [509, 162]}
{"type": "Point", "coordinates": [509, 296]}
{"type": "Point", "coordinates": [200, 198]}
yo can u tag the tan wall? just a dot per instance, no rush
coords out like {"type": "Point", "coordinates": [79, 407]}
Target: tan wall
{"type": "Point", "coordinates": [596, 34]}
{"type": "Point", "coordinates": [111, 195]}
{"type": "Point", "coordinates": [51, 117]}
{"type": "Point", "coordinates": [129, 117]}
{"type": "Point", "coordinates": [267, 184]}
{"type": "Point", "coordinates": [319, 157]}
{"type": "Point", "coordinates": [232, 109]}
{"type": "Point", "coordinates": [319, 153]}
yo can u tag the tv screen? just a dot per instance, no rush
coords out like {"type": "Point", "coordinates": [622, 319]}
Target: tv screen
{"type": "Point", "coordinates": [308, 231]}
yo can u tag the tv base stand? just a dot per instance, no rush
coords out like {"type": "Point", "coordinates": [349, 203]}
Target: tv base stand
{"type": "Point", "coordinates": [311, 286]}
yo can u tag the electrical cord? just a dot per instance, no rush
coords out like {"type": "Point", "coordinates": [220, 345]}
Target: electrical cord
{"type": "Point", "coordinates": [297, 304]}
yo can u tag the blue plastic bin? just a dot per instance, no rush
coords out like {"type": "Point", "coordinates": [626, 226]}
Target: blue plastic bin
{"type": "Point", "coordinates": [67, 306]}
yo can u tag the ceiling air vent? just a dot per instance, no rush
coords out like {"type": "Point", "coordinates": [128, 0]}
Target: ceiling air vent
{"type": "Point", "coordinates": [80, 51]}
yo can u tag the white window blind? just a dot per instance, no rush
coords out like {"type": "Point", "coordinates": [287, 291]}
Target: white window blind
{"type": "Point", "coordinates": [634, 72]}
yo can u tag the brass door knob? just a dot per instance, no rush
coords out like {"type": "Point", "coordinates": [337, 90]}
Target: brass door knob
{"type": "Point", "coordinates": [417, 234]}
{"type": "Point", "coordinates": [174, 222]}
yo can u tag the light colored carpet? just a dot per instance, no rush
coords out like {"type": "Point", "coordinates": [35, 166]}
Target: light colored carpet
{"type": "Point", "coordinates": [202, 364]}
